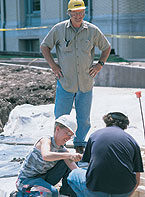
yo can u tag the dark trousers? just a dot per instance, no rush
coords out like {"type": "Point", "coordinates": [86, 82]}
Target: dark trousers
{"type": "Point", "coordinates": [51, 178]}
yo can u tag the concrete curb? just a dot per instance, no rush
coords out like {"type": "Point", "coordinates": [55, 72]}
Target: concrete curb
{"type": "Point", "coordinates": [129, 75]}
{"type": "Point", "coordinates": [124, 76]}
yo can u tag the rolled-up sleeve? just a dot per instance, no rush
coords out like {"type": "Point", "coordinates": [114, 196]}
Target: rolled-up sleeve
{"type": "Point", "coordinates": [101, 41]}
{"type": "Point", "coordinates": [50, 39]}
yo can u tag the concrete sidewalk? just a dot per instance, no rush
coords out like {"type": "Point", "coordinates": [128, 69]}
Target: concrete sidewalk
{"type": "Point", "coordinates": [105, 99]}
{"type": "Point", "coordinates": [7, 185]}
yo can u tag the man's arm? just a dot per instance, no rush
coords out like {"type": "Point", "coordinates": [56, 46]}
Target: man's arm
{"type": "Point", "coordinates": [47, 155]}
{"type": "Point", "coordinates": [48, 56]}
{"type": "Point", "coordinates": [95, 69]}
{"type": "Point", "coordinates": [138, 182]}
{"type": "Point", "coordinates": [71, 164]}
{"type": "Point", "coordinates": [105, 54]}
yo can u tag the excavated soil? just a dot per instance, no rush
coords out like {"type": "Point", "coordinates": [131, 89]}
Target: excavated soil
{"type": "Point", "coordinates": [24, 85]}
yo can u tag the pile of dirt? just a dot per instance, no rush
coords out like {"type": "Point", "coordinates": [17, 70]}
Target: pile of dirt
{"type": "Point", "coordinates": [24, 85]}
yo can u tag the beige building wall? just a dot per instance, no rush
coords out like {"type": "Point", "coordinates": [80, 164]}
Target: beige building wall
{"type": "Point", "coordinates": [50, 12]}
{"type": "Point", "coordinates": [9, 39]}
{"type": "Point", "coordinates": [122, 17]}
{"type": "Point", "coordinates": [117, 17]}
{"type": "Point", "coordinates": [11, 22]}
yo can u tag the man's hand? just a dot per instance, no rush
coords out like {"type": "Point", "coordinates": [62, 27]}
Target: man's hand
{"type": "Point", "coordinates": [75, 157]}
{"type": "Point", "coordinates": [95, 69]}
{"type": "Point", "coordinates": [55, 67]}
{"type": "Point", "coordinates": [57, 71]}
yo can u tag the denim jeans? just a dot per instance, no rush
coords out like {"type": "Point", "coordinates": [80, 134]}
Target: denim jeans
{"type": "Point", "coordinates": [77, 181]}
{"type": "Point", "coordinates": [51, 178]}
{"type": "Point", "coordinates": [63, 105]}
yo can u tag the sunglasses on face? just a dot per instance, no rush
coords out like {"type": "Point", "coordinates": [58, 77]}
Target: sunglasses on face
{"type": "Point", "coordinates": [69, 134]}
{"type": "Point", "coordinates": [73, 14]}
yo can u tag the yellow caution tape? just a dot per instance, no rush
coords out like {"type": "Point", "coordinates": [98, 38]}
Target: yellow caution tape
{"type": "Point", "coordinates": [124, 36]}
{"type": "Point", "coordinates": [25, 28]}
{"type": "Point", "coordinates": [45, 27]}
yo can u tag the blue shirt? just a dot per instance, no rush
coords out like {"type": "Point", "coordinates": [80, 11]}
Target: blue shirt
{"type": "Point", "coordinates": [114, 157]}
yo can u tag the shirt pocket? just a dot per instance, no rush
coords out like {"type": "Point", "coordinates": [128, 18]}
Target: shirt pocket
{"type": "Point", "coordinates": [65, 47]}
{"type": "Point", "coordinates": [86, 46]}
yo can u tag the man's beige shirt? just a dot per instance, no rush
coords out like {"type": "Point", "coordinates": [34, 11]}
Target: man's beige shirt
{"type": "Point", "coordinates": [75, 52]}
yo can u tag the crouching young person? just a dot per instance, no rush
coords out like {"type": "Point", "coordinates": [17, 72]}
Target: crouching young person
{"type": "Point", "coordinates": [49, 162]}
{"type": "Point", "coordinates": [114, 160]}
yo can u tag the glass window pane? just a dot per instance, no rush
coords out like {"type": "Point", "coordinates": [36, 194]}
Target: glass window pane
{"type": "Point", "coordinates": [86, 2]}
{"type": "Point", "coordinates": [27, 45]}
{"type": "Point", "coordinates": [36, 5]}
{"type": "Point", "coordinates": [32, 8]}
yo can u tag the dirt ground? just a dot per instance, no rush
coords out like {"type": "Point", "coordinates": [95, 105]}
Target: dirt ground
{"type": "Point", "coordinates": [24, 85]}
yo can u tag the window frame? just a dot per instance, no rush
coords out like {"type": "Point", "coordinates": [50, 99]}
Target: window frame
{"type": "Point", "coordinates": [31, 15]}
{"type": "Point", "coordinates": [35, 11]}
{"type": "Point", "coordinates": [30, 8]}
{"type": "Point", "coordinates": [29, 45]}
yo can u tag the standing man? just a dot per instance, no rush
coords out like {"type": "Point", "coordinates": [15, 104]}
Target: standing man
{"type": "Point", "coordinates": [114, 160]}
{"type": "Point", "coordinates": [75, 41]}
{"type": "Point", "coordinates": [49, 161]}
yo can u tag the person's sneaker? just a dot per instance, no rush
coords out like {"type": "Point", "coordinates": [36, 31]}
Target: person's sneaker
{"type": "Point", "coordinates": [13, 194]}
{"type": "Point", "coordinates": [79, 149]}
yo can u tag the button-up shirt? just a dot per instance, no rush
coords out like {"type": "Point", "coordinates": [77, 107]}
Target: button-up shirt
{"type": "Point", "coordinates": [75, 51]}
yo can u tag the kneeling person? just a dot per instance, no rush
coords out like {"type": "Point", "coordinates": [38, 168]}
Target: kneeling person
{"type": "Point", "coordinates": [49, 161]}
{"type": "Point", "coordinates": [114, 160]}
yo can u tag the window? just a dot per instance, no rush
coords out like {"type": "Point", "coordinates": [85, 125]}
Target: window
{"type": "Point", "coordinates": [36, 5]}
{"type": "Point", "coordinates": [32, 12]}
{"type": "Point", "coordinates": [29, 45]}
{"type": "Point", "coordinates": [32, 6]}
